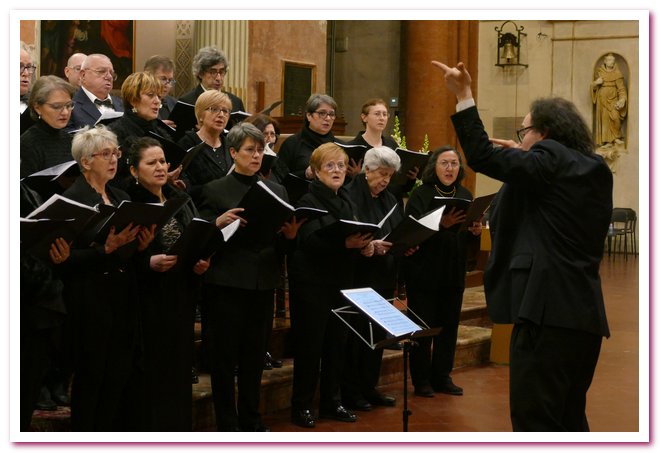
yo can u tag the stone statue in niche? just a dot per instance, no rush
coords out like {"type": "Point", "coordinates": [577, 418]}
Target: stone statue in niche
{"type": "Point", "coordinates": [610, 97]}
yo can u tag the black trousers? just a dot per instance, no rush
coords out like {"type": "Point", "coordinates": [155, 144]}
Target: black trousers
{"type": "Point", "coordinates": [438, 308]}
{"type": "Point", "coordinates": [319, 339]}
{"type": "Point", "coordinates": [237, 337]}
{"type": "Point", "coordinates": [551, 369]}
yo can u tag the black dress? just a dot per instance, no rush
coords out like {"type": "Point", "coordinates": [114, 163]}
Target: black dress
{"type": "Point", "coordinates": [209, 164]}
{"type": "Point", "coordinates": [129, 128]}
{"type": "Point", "coordinates": [435, 281]}
{"type": "Point", "coordinates": [318, 269]}
{"type": "Point", "coordinates": [43, 147]}
{"type": "Point", "coordinates": [101, 295]}
{"type": "Point", "coordinates": [239, 290]}
{"type": "Point", "coordinates": [167, 310]}
{"type": "Point", "coordinates": [362, 368]}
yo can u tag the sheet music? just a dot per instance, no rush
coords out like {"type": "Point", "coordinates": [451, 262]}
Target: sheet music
{"type": "Point", "coordinates": [381, 311]}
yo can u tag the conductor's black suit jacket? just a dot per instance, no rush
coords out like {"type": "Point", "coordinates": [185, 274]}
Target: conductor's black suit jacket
{"type": "Point", "coordinates": [549, 225]}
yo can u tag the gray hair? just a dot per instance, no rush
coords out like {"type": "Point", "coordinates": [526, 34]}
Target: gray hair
{"type": "Point", "coordinates": [381, 156]}
{"type": "Point", "coordinates": [87, 62]}
{"type": "Point", "coordinates": [89, 140]}
{"type": "Point", "coordinates": [156, 62]}
{"type": "Point", "coordinates": [207, 57]}
{"type": "Point", "coordinates": [42, 89]}
{"type": "Point", "coordinates": [316, 99]}
{"type": "Point", "coordinates": [242, 131]}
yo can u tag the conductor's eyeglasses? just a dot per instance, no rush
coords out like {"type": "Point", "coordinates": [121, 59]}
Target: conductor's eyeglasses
{"type": "Point", "coordinates": [523, 131]}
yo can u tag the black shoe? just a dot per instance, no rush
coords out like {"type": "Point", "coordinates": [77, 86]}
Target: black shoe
{"type": "Point", "coordinates": [275, 363]}
{"type": "Point", "coordinates": [303, 418]}
{"type": "Point", "coordinates": [448, 387]}
{"type": "Point", "coordinates": [339, 413]}
{"type": "Point", "coordinates": [359, 404]}
{"type": "Point", "coordinates": [424, 390]}
{"type": "Point", "coordinates": [45, 403]}
{"type": "Point", "coordinates": [268, 365]}
{"type": "Point", "coordinates": [378, 399]}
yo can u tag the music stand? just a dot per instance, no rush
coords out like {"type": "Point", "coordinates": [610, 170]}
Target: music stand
{"type": "Point", "coordinates": [384, 318]}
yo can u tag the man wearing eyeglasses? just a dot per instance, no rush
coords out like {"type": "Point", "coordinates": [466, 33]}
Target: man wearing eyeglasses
{"type": "Point", "coordinates": [93, 99]}
{"type": "Point", "coordinates": [548, 229]}
{"type": "Point", "coordinates": [162, 67]}
{"type": "Point", "coordinates": [210, 66]}
{"type": "Point", "coordinates": [72, 68]}
{"type": "Point", "coordinates": [27, 70]}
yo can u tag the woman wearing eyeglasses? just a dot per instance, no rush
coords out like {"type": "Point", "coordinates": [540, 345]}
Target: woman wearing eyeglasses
{"type": "Point", "coordinates": [295, 152]}
{"type": "Point", "coordinates": [46, 143]}
{"type": "Point", "coordinates": [101, 294]}
{"type": "Point", "coordinates": [435, 274]}
{"type": "Point", "coordinates": [240, 286]}
{"type": "Point", "coordinates": [213, 160]}
{"type": "Point", "coordinates": [140, 94]}
{"type": "Point", "coordinates": [318, 268]}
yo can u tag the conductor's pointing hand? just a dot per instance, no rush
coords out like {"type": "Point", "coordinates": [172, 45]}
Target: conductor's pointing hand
{"type": "Point", "coordinates": [457, 80]}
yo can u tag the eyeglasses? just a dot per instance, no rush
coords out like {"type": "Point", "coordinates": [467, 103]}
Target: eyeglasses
{"type": "Point", "coordinates": [214, 72]}
{"type": "Point", "coordinates": [59, 106]}
{"type": "Point", "coordinates": [166, 81]}
{"type": "Point", "coordinates": [253, 149]}
{"type": "Point", "coordinates": [449, 164]}
{"type": "Point", "coordinates": [108, 153]}
{"type": "Point", "coordinates": [105, 72]}
{"type": "Point", "coordinates": [520, 133]}
{"type": "Point", "coordinates": [218, 110]}
{"type": "Point", "coordinates": [332, 166]}
{"type": "Point", "coordinates": [323, 114]}
{"type": "Point", "coordinates": [29, 68]}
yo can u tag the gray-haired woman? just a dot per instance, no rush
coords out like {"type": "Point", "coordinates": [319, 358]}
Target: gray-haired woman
{"type": "Point", "coordinates": [294, 154]}
{"type": "Point", "coordinates": [102, 300]}
{"type": "Point", "coordinates": [368, 191]}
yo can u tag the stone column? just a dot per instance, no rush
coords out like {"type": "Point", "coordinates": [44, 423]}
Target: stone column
{"type": "Point", "coordinates": [426, 105]}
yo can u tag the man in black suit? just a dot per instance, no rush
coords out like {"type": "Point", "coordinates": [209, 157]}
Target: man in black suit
{"type": "Point", "coordinates": [93, 98]}
{"type": "Point", "coordinates": [210, 67]}
{"type": "Point", "coordinates": [549, 227]}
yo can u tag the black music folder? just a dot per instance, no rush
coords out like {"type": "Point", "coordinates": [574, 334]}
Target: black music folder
{"type": "Point", "coordinates": [200, 240]}
{"type": "Point", "coordinates": [411, 232]}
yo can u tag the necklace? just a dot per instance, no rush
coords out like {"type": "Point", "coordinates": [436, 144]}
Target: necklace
{"type": "Point", "coordinates": [451, 193]}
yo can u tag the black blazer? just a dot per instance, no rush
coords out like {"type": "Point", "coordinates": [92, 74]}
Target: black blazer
{"type": "Point", "coordinates": [191, 97]}
{"type": "Point", "coordinates": [85, 112]}
{"type": "Point", "coordinates": [240, 263]}
{"type": "Point", "coordinates": [551, 221]}
{"type": "Point", "coordinates": [168, 104]}
{"type": "Point", "coordinates": [43, 147]}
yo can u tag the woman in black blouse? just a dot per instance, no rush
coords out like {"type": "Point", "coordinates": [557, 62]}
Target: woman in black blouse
{"type": "Point", "coordinates": [320, 266]}
{"type": "Point", "coordinates": [240, 286]}
{"type": "Point", "coordinates": [46, 144]}
{"type": "Point", "coordinates": [101, 296]}
{"type": "Point", "coordinates": [168, 294]}
{"type": "Point", "coordinates": [435, 274]}
{"type": "Point", "coordinates": [140, 95]}
{"type": "Point", "coordinates": [369, 192]}
{"type": "Point", "coordinates": [374, 116]}
{"type": "Point", "coordinates": [212, 110]}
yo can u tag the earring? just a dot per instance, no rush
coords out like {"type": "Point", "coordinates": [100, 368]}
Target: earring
{"type": "Point", "coordinates": [137, 181]}
{"type": "Point", "coordinates": [134, 110]}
